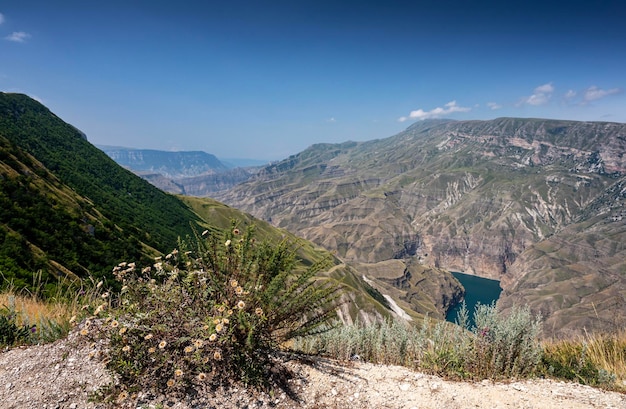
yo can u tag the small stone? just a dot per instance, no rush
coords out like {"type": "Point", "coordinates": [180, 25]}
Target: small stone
{"type": "Point", "coordinates": [405, 387]}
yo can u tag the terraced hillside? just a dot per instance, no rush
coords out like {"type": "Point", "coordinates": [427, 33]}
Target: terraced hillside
{"type": "Point", "coordinates": [510, 199]}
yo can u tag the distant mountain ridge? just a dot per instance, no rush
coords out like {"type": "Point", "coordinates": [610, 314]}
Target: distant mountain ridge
{"type": "Point", "coordinates": [194, 173]}
{"type": "Point", "coordinates": [475, 196]}
{"type": "Point", "coordinates": [174, 164]}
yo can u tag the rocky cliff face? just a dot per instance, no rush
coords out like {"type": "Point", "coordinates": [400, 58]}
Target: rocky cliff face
{"type": "Point", "coordinates": [473, 196]}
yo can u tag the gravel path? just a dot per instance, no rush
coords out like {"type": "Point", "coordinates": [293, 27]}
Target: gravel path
{"type": "Point", "coordinates": [64, 374]}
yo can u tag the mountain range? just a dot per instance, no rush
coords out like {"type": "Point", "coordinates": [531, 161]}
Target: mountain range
{"type": "Point", "coordinates": [69, 212]}
{"type": "Point", "coordinates": [535, 203]}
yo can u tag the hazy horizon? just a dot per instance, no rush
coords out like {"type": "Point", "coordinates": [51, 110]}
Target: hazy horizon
{"type": "Point", "coordinates": [265, 80]}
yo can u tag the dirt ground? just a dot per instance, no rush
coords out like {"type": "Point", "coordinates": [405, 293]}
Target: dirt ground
{"type": "Point", "coordinates": [64, 374]}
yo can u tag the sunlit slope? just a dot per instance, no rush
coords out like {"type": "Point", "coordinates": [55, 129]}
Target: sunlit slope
{"type": "Point", "coordinates": [365, 285]}
{"type": "Point", "coordinates": [469, 196]}
{"type": "Point", "coordinates": [67, 207]}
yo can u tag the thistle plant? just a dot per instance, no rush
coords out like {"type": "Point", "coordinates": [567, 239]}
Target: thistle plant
{"type": "Point", "coordinates": [210, 312]}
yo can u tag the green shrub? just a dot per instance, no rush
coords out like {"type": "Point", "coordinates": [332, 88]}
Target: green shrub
{"type": "Point", "coordinates": [506, 345]}
{"type": "Point", "coordinates": [211, 313]}
{"type": "Point", "coordinates": [498, 347]}
{"type": "Point", "coordinates": [13, 332]}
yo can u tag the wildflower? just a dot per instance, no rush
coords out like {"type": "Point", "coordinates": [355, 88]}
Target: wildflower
{"type": "Point", "coordinates": [158, 265]}
{"type": "Point", "coordinates": [205, 327]}
{"type": "Point", "coordinates": [227, 243]}
{"type": "Point", "coordinates": [241, 305]}
{"type": "Point", "coordinates": [105, 295]}
{"type": "Point", "coordinates": [238, 290]}
{"type": "Point", "coordinates": [188, 349]}
{"type": "Point", "coordinates": [99, 284]}
{"type": "Point", "coordinates": [151, 350]}
{"type": "Point", "coordinates": [84, 331]}
{"type": "Point", "coordinates": [148, 337]}
{"type": "Point", "coordinates": [213, 337]}
{"type": "Point", "coordinates": [122, 396]}
{"type": "Point", "coordinates": [198, 343]}
{"type": "Point", "coordinates": [219, 327]}
{"type": "Point", "coordinates": [258, 312]}
{"type": "Point", "coordinates": [201, 376]}
{"type": "Point", "coordinates": [114, 324]}
{"type": "Point", "coordinates": [178, 373]}
{"type": "Point", "coordinates": [162, 344]}
{"type": "Point", "coordinates": [169, 256]}
{"type": "Point", "coordinates": [131, 265]}
{"type": "Point", "coordinates": [123, 330]}
{"type": "Point", "coordinates": [236, 232]}
{"type": "Point", "coordinates": [170, 383]}
{"type": "Point", "coordinates": [230, 312]}
{"type": "Point", "coordinates": [221, 308]}
{"type": "Point", "coordinates": [234, 283]}
{"type": "Point", "coordinates": [126, 348]}
{"type": "Point", "coordinates": [205, 360]}
{"type": "Point", "coordinates": [225, 321]}
{"type": "Point", "coordinates": [216, 321]}
{"type": "Point", "coordinates": [217, 355]}
{"type": "Point", "coordinates": [87, 323]}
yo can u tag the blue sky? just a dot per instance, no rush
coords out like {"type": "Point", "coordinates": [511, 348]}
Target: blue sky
{"type": "Point", "coordinates": [266, 79]}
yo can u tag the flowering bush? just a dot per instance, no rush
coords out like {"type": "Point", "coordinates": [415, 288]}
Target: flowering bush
{"type": "Point", "coordinates": [211, 312]}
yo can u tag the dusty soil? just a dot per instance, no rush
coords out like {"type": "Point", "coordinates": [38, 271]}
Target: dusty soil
{"type": "Point", "coordinates": [64, 374]}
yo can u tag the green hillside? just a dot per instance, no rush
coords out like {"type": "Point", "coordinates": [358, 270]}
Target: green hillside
{"type": "Point", "coordinates": [69, 211]}
{"type": "Point", "coordinates": [67, 208]}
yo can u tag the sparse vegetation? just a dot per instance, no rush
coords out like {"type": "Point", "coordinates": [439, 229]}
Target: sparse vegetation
{"type": "Point", "coordinates": [28, 318]}
{"type": "Point", "coordinates": [594, 359]}
{"type": "Point", "coordinates": [498, 347]}
{"type": "Point", "coordinates": [210, 312]}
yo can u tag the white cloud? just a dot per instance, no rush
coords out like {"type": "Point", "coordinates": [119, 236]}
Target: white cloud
{"type": "Point", "coordinates": [593, 93]}
{"type": "Point", "coordinates": [494, 105]}
{"type": "Point", "coordinates": [449, 108]}
{"type": "Point", "coordinates": [570, 94]}
{"type": "Point", "coordinates": [1, 18]}
{"type": "Point", "coordinates": [540, 96]}
{"type": "Point", "coordinates": [18, 37]}
{"type": "Point", "coordinates": [332, 119]}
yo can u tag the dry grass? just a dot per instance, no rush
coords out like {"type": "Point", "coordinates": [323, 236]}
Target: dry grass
{"type": "Point", "coordinates": [31, 309]}
{"type": "Point", "coordinates": [54, 316]}
{"type": "Point", "coordinates": [598, 358]}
